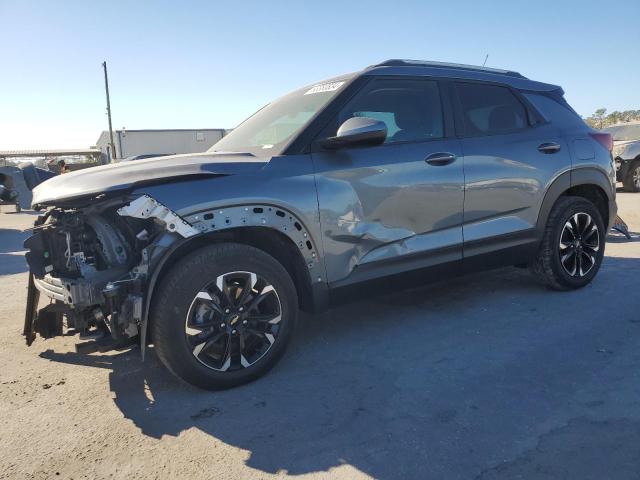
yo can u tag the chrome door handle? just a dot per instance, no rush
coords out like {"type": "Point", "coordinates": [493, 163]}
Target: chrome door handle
{"type": "Point", "coordinates": [440, 158]}
{"type": "Point", "coordinates": [549, 147]}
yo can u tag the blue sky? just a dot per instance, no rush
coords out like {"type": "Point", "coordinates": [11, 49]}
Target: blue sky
{"type": "Point", "coordinates": [192, 64]}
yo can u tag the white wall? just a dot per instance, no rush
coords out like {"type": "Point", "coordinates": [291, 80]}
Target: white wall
{"type": "Point", "coordinates": [144, 142]}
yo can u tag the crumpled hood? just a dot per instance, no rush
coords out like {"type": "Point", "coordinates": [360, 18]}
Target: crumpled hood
{"type": "Point", "coordinates": [127, 175]}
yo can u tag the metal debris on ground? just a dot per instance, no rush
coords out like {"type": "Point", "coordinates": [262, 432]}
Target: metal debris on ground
{"type": "Point", "coordinates": [620, 226]}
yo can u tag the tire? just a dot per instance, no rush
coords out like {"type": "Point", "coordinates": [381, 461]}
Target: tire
{"type": "Point", "coordinates": [631, 181]}
{"type": "Point", "coordinates": [555, 264]}
{"type": "Point", "coordinates": [199, 327]}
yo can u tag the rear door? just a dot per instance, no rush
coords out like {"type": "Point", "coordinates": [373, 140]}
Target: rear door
{"type": "Point", "coordinates": [396, 206]}
{"type": "Point", "coordinates": [510, 157]}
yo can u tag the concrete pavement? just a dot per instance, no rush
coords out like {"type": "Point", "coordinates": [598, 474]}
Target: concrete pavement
{"type": "Point", "coordinates": [486, 376]}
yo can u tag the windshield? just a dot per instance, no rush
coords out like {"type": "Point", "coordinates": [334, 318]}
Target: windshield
{"type": "Point", "coordinates": [269, 130]}
{"type": "Point", "coordinates": [623, 133]}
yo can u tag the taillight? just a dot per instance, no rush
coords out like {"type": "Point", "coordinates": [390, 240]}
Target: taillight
{"type": "Point", "coordinates": [604, 139]}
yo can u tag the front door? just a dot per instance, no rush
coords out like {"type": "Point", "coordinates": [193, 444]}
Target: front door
{"type": "Point", "coordinates": [396, 206]}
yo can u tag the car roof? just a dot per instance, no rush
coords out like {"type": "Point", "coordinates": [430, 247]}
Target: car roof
{"type": "Point", "coordinates": [457, 71]}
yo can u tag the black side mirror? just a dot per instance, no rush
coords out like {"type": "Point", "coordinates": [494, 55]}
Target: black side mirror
{"type": "Point", "coordinates": [357, 131]}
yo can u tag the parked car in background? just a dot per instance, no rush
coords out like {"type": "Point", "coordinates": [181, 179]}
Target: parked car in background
{"type": "Point", "coordinates": [626, 152]}
{"type": "Point", "coordinates": [404, 172]}
{"type": "Point", "coordinates": [8, 193]}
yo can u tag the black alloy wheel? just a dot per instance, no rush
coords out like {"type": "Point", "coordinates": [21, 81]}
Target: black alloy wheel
{"type": "Point", "coordinates": [233, 321]}
{"type": "Point", "coordinates": [579, 245]}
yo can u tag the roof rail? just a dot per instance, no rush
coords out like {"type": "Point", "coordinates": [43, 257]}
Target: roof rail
{"type": "Point", "coordinates": [452, 66]}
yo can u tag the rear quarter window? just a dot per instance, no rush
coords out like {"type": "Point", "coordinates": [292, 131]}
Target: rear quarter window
{"type": "Point", "coordinates": [553, 111]}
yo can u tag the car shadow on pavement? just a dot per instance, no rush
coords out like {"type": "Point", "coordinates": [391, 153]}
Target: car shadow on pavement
{"type": "Point", "coordinates": [11, 257]}
{"type": "Point", "coordinates": [445, 380]}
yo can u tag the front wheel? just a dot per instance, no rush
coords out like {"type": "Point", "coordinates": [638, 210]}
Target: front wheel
{"type": "Point", "coordinates": [572, 247]}
{"type": "Point", "coordinates": [223, 315]}
{"type": "Point", "coordinates": [631, 181]}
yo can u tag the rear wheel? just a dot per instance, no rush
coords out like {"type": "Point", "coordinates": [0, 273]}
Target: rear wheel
{"type": "Point", "coordinates": [631, 181]}
{"type": "Point", "coordinates": [224, 315]}
{"type": "Point", "coordinates": [572, 246]}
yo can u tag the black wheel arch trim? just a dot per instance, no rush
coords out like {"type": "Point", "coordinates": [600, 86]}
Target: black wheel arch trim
{"type": "Point", "coordinates": [570, 179]}
{"type": "Point", "coordinates": [595, 176]}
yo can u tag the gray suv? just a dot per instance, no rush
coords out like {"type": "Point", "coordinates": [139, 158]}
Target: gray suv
{"type": "Point", "coordinates": [404, 172]}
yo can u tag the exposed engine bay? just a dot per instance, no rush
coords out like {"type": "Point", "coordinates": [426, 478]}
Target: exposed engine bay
{"type": "Point", "coordinates": [92, 263]}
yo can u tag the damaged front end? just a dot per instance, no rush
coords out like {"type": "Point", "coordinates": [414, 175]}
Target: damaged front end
{"type": "Point", "coordinates": [93, 262]}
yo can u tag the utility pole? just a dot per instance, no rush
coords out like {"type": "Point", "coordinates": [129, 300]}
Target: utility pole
{"type": "Point", "coordinates": [106, 87]}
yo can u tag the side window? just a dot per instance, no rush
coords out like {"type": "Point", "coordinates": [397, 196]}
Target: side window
{"type": "Point", "coordinates": [411, 109]}
{"type": "Point", "coordinates": [489, 109]}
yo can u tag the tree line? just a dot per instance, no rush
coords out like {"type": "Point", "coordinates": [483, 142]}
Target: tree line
{"type": "Point", "coordinates": [600, 118]}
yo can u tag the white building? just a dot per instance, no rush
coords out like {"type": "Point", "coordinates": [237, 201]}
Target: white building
{"type": "Point", "coordinates": [148, 142]}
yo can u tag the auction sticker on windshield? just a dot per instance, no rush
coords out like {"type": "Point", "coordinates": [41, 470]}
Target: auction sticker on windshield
{"type": "Point", "coordinates": [324, 87]}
